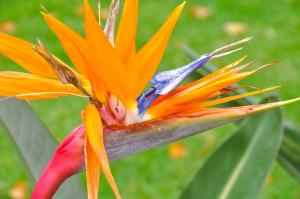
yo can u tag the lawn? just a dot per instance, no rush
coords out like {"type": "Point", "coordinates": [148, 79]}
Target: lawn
{"type": "Point", "coordinates": [275, 28]}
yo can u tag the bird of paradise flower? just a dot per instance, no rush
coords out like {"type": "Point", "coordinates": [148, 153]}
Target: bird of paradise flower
{"type": "Point", "coordinates": [112, 74]}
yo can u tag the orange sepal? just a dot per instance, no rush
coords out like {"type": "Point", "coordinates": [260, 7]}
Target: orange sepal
{"type": "Point", "coordinates": [72, 42]}
{"type": "Point", "coordinates": [93, 170]}
{"type": "Point", "coordinates": [143, 66]}
{"type": "Point", "coordinates": [94, 131]}
{"type": "Point", "coordinates": [194, 96]}
{"type": "Point", "coordinates": [125, 42]}
{"type": "Point", "coordinates": [219, 74]}
{"type": "Point", "coordinates": [31, 87]}
{"type": "Point", "coordinates": [22, 53]}
{"type": "Point", "coordinates": [206, 104]}
{"type": "Point", "coordinates": [107, 68]}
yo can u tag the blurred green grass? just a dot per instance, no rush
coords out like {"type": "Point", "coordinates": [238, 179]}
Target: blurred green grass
{"type": "Point", "coordinates": [275, 26]}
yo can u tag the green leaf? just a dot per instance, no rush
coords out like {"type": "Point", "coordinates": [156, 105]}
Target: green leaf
{"type": "Point", "coordinates": [289, 154]}
{"type": "Point", "coordinates": [239, 167]}
{"type": "Point", "coordinates": [34, 143]}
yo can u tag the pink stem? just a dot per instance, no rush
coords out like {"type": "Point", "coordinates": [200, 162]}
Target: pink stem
{"type": "Point", "coordinates": [48, 183]}
{"type": "Point", "coordinates": [67, 160]}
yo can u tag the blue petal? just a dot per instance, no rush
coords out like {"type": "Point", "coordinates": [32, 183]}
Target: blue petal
{"type": "Point", "coordinates": [164, 82]}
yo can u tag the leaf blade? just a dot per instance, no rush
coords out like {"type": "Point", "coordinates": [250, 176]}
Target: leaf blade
{"type": "Point", "coordinates": [34, 143]}
{"type": "Point", "coordinates": [231, 179]}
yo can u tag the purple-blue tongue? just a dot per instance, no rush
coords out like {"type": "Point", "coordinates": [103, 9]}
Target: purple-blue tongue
{"type": "Point", "coordinates": [166, 81]}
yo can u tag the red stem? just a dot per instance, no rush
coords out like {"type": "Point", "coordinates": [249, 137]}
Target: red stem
{"type": "Point", "coordinates": [67, 160]}
{"type": "Point", "coordinates": [49, 182]}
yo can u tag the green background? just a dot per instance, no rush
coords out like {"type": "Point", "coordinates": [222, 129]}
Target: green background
{"type": "Point", "coordinates": [275, 28]}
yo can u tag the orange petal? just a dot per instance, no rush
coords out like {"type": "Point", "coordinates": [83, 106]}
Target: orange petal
{"type": "Point", "coordinates": [220, 75]}
{"type": "Point", "coordinates": [71, 41]}
{"type": "Point", "coordinates": [198, 106]}
{"type": "Point", "coordinates": [22, 53]}
{"type": "Point", "coordinates": [217, 75]}
{"type": "Point", "coordinates": [94, 130]}
{"type": "Point", "coordinates": [233, 113]}
{"type": "Point", "coordinates": [28, 86]}
{"type": "Point", "coordinates": [92, 166]}
{"type": "Point", "coordinates": [107, 67]}
{"type": "Point", "coordinates": [196, 95]}
{"type": "Point", "coordinates": [125, 42]}
{"type": "Point", "coordinates": [235, 97]}
{"type": "Point", "coordinates": [146, 61]}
